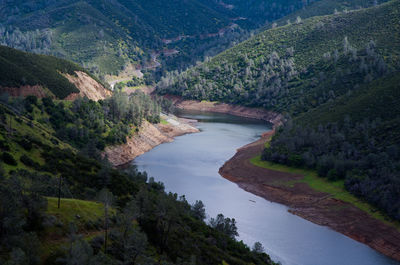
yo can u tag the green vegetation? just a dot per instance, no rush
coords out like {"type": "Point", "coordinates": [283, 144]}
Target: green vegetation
{"type": "Point", "coordinates": [104, 36]}
{"type": "Point", "coordinates": [298, 67]}
{"type": "Point", "coordinates": [337, 77]}
{"type": "Point", "coordinates": [88, 211]}
{"type": "Point", "coordinates": [51, 148]}
{"type": "Point", "coordinates": [21, 68]}
{"type": "Point", "coordinates": [326, 7]}
{"type": "Point", "coordinates": [335, 188]}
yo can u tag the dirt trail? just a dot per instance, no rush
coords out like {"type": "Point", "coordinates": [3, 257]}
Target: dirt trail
{"type": "Point", "coordinates": [317, 207]}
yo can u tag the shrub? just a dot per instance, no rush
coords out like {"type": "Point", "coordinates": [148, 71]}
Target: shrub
{"type": "Point", "coordinates": [26, 144]}
{"type": "Point", "coordinates": [29, 162]}
{"type": "Point", "coordinates": [9, 159]}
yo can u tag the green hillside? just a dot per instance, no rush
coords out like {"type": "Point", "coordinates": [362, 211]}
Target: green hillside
{"type": "Point", "coordinates": [104, 35]}
{"type": "Point", "coordinates": [337, 77]}
{"type": "Point", "coordinates": [326, 7]}
{"type": "Point", "coordinates": [51, 148]}
{"type": "Point", "coordinates": [20, 68]}
{"type": "Point", "coordinates": [294, 67]}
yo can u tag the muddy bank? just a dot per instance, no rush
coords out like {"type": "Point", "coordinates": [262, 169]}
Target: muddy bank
{"type": "Point", "coordinates": [254, 113]}
{"type": "Point", "coordinates": [317, 207]}
{"type": "Point", "coordinates": [148, 137]}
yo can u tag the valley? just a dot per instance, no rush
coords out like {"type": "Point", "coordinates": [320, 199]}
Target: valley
{"type": "Point", "coordinates": [199, 132]}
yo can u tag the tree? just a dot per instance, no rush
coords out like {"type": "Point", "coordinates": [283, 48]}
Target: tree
{"type": "Point", "coordinates": [107, 198]}
{"type": "Point", "coordinates": [198, 210]}
{"type": "Point", "coordinates": [258, 248]}
{"type": "Point", "coordinates": [225, 225]}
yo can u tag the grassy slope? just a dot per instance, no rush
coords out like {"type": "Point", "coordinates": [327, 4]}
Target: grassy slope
{"type": "Point", "coordinates": [335, 188]}
{"type": "Point", "coordinates": [70, 208]}
{"type": "Point", "coordinates": [40, 133]}
{"type": "Point", "coordinates": [55, 237]}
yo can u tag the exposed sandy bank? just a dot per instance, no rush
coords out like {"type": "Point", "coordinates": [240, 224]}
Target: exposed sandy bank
{"type": "Point", "coordinates": [317, 207]}
{"type": "Point", "coordinates": [87, 86]}
{"type": "Point", "coordinates": [148, 137]}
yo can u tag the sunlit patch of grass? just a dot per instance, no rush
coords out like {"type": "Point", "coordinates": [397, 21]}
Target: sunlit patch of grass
{"type": "Point", "coordinates": [72, 209]}
{"type": "Point", "coordinates": [164, 122]}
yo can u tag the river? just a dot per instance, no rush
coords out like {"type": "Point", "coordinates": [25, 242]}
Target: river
{"type": "Point", "coordinates": [189, 166]}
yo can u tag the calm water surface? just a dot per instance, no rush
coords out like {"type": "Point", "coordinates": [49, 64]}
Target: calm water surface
{"type": "Point", "coordinates": [189, 166]}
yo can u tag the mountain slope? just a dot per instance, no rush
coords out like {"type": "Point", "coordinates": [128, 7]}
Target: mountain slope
{"type": "Point", "coordinates": [337, 76]}
{"type": "Point", "coordinates": [104, 215]}
{"type": "Point", "coordinates": [291, 66]}
{"type": "Point", "coordinates": [103, 36]}
{"type": "Point", "coordinates": [24, 73]}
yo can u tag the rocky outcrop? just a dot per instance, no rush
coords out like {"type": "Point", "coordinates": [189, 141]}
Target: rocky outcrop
{"type": "Point", "coordinates": [148, 137]}
{"type": "Point", "coordinates": [87, 86]}
{"type": "Point", "coordinates": [255, 113]}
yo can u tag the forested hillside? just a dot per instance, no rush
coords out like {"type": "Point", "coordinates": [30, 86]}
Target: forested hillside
{"type": "Point", "coordinates": [105, 216]}
{"type": "Point", "coordinates": [325, 7]}
{"type": "Point", "coordinates": [51, 148]}
{"type": "Point", "coordinates": [336, 77]}
{"type": "Point", "coordinates": [296, 67]}
{"type": "Point", "coordinates": [103, 36]}
{"type": "Point", "coordinates": [19, 69]}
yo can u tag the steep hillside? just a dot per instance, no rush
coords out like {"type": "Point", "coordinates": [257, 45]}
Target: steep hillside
{"type": "Point", "coordinates": [295, 67]}
{"type": "Point", "coordinates": [337, 77]}
{"type": "Point", "coordinates": [51, 148]}
{"type": "Point", "coordinates": [23, 74]}
{"type": "Point", "coordinates": [326, 7]}
{"type": "Point", "coordinates": [141, 221]}
{"type": "Point", "coordinates": [104, 36]}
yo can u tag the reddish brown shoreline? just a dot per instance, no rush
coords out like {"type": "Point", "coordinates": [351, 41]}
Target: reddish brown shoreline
{"type": "Point", "coordinates": [236, 110]}
{"type": "Point", "coordinates": [309, 204]}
